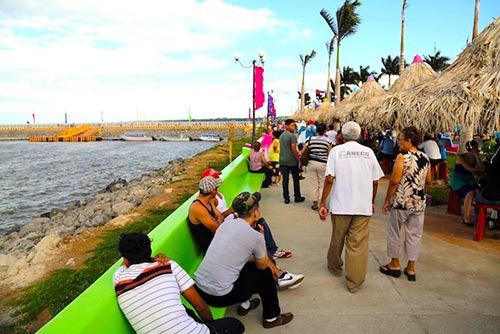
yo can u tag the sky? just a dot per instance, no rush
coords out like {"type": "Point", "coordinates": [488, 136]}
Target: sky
{"type": "Point", "coordinates": [129, 60]}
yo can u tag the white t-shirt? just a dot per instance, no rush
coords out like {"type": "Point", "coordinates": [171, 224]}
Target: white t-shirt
{"type": "Point", "coordinates": [331, 134]}
{"type": "Point", "coordinates": [151, 301]}
{"type": "Point", "coordinates": [222, 206]}
{"type": "Point", "coordinates": [431, 149]}
{"type": "Point", "coordinates": [354, 167]}
{"type": "Point", "coordinates": [234, 242]}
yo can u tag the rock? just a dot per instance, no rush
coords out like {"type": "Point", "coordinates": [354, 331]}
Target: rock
{"type": "Point", "coordinates": [45, 248]}
{"type": "Point", "coordinates": [116, 185]}
{"type": "Point", "coordinates": [36, 225]}
{"type": "Point", "coordinates": [155, 191]}
{"type": "Point", "coordinates": [71, 262]}
{"type": "Point", "coordinates": [122, 208]}
{"type": "Point", "coordinates": [121, 220]}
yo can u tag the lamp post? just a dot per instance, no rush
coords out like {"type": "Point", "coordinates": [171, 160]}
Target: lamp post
{"type": "Point", "coordinates": [254, 64]}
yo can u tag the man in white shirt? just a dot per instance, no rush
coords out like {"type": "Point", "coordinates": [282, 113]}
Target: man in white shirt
{"type": "Point", "coordinates": [148, 293]}
{"type": "Point", "coordinates": [351, 182]}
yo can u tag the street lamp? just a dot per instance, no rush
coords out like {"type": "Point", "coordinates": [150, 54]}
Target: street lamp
{"type": "Point", "coordinates": [257, 91]}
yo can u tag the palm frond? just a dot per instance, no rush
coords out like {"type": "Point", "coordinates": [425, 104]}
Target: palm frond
{"type": "Point", "coordinates": [330, 21]}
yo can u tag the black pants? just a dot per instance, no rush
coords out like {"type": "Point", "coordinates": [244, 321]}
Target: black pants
{"type": "Point", "coordinates": [250, 281]}
{"type": "Point", "coordinates": [269, 174]}
{"type": "Point", "coordinates": [285, 171]}
{"type": "Point", "coordinates": [220, 326]}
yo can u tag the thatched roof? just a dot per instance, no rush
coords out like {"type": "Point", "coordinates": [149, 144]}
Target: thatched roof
{"type": "Point", "coordinates": [417, 72]}
{"type": "Point", "coordinates": [467, 92]}
{"type": "Point", "coordinates": [363, 101]}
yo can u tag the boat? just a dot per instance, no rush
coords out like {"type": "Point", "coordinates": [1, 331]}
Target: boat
{"type": "Point", "coordinates": [96, 309]}
{"type": "Point", "coordinates": [135, 136]}
{"type": "Point", "coordinates": [181, 138]}
{"type": "Point", "coordinates": [210, 137]}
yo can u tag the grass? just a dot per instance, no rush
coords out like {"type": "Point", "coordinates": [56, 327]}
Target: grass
{"type": "Point", "coordinates": [63, 285]}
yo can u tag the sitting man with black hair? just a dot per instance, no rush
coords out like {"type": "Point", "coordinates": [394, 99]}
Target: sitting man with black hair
{"type": "Point", "coordinates": [236, 265]}
{"type": "Point", "coordinates": [148, 293]}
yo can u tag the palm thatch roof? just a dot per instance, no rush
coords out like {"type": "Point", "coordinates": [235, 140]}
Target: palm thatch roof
{"type": "Point", "coordinates": [467, 92]}
{"type": "Point", "coordinates": [416, 73]}
{"type": "Point", "coordinates": [363, 101]}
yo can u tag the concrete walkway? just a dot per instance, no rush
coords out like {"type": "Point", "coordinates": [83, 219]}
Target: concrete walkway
{"type": "Point", "coordinates": [457, 288]}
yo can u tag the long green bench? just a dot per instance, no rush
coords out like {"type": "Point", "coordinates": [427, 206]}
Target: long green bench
{"type": "Point", "coordinates": [96, 309]}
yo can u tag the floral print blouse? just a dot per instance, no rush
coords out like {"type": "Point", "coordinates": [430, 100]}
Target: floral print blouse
{"type": "Point", "coordinates": [410, 194]}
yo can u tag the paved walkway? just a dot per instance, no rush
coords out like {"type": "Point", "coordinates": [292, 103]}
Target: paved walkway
{"type": "Point", "coordinates": [457, 288]}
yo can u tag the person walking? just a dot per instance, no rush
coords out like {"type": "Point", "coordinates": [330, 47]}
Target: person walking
{"type": "Point", "coordinates": [289, 162]}
{"type": "Point", "coordinates": [405, 203]}
{"type": "Point", "coordinates": [319, 147]}
{"type": "Point", "coordinates": [352, 174]}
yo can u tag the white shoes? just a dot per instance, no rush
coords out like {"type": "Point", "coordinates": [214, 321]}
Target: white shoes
{"type": "Point", "coordinates": [289, 280]}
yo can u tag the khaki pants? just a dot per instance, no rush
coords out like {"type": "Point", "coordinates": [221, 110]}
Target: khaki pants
{"type": "Point", "coordinates": [354, 231]}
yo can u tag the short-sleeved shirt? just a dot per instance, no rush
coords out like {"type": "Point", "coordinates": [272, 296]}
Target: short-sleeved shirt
{"type": "Point", "coordinates": [354, 167]}
{"type": "Point", "coordinates": [410, 193]}
{"type": "Point", "coordinates": [287, 158]}
{"type": "Point", "coordinates": [234, 242]}
{"type": "Point", "coordinates": [149, 296]}
{"type": "Point", "coordinates": [431, 149]}
{"type": "Point", "coordinates": [318, 148]}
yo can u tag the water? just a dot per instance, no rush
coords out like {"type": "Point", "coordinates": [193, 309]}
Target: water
{"type": "Point", "coordinates": [37, 177]}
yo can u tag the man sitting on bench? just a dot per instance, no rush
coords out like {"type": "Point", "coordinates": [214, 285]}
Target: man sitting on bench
{"type": "Point", "coordinates": [148, 293]}
{"type": "Point", "coordinates": [236, 265]}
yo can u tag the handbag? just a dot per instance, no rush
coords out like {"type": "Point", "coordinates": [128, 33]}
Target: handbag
{"type": "Point", "coordinates": [304, 157]}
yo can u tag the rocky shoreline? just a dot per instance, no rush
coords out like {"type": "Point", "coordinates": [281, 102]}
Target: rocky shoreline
{"type": "Point", "coordinates": [25, 253]}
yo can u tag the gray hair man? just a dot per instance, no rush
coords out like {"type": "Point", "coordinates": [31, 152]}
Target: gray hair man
{"type": "Point", "coordinates": [352, 174]}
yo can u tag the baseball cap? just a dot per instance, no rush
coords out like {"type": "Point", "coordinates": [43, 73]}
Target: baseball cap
{"type": "Point", "coordinates": [245, 203]}
{"type": "Point", "coordinates": [209, 184]}
{"type": "Point", "coordinates": [210, 172]}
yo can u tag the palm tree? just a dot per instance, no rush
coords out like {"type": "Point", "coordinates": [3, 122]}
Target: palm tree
{"type": "Point", "coordinates": [329, 48]}
{"type": "Point", "coordinates": [437, 62]}
{"type": "Point", "coordinates": [363, 74]}
{"type": "Point", "coordinates": [475, 30]}
{"type": "Point", "coordinates": [304, 59]}
{"type": "Point", "coordinates": [391, 67]}
{"type": "Point", "coordinates": [402, 47]}
{"type": "Point", "coordinates": [346, 24]}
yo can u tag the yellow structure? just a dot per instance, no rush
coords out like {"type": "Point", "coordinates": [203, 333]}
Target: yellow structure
{"type": "Point", "coordinates": [82, 133]}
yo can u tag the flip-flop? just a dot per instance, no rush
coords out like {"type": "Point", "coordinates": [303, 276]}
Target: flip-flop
{"type": "Point", "coordinates": [390, 272]}
{"type": "Point", "coordinates": [411, 278]}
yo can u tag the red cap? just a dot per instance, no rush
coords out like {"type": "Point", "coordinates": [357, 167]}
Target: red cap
{"type": "Point", "coordinates": [311, 122]}
{"type": "Point", "coordinates": [210, 172]}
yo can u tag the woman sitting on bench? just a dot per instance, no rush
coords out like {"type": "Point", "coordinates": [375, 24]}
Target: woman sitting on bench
{"type": "Point", "coordinates": [491, 186]}
{"type": "Point", "coordinates": [462, 180]}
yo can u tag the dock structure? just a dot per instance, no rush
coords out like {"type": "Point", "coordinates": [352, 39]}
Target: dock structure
{"type": "Point", "coordinates": [82, 133]}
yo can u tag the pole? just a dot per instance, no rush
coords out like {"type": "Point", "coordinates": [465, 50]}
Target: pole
{"type": "Point", "coordinates": [253, 103]}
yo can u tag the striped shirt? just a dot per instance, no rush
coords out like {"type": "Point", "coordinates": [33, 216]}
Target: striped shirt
{"type": "Point", "coordinates": [149, 296]}
{"type": "Point", "coordinates": [318, 148]}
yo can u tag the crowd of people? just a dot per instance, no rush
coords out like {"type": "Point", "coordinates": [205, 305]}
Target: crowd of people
{"type": "Point", "coordinates": [240, 251]}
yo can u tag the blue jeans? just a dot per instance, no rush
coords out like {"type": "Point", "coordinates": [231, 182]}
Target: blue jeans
{"type": "Point", "coordinates": [268, 237]}
{"type": "Point", "coordinates": [285, 171]}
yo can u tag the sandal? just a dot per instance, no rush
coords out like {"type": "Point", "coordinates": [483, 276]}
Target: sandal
{"type": "Point", "coordinates": [411, 277]}
{"type": "Point", "coordinates": [390, 272]}
{"type": "Point", "coordinates": [315, 207]}
{"type": "Point", "coordinates": [470, 224]}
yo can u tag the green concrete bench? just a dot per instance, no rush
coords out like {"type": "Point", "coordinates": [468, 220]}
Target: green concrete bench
{"type": "Point", "coordinates": [96, 309]}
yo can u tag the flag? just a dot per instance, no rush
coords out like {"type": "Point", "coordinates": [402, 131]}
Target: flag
{"type": "Point", "coordinates": [33, 118]}
{"type": "Point", "coordinates": [189, 115]}
{"type": "Point", "coordinates": [65, 118]}
{"type": "Point", "coordinates": [258, 84]}
{"type": "Point", "coordinates": [249, 114]}
{"type": "Point", "coordinates": [271, 111]}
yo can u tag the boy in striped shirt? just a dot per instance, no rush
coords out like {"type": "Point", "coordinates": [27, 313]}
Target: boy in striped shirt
{"type": "Point", "coordinates": [148, 293]}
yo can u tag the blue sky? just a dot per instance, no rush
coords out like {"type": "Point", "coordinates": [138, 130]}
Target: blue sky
{"type": "Point", "coordinates": [157, 59]}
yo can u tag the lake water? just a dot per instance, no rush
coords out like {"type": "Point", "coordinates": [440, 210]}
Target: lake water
{"type": "Point", "coordinates": [37, 177]}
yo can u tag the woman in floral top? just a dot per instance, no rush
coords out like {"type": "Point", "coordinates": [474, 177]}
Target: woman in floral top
{"type": "Point", "coordinates": [405, 201]}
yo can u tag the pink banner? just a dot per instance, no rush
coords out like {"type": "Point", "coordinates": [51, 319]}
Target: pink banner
{"type": "Point", "coordinates": [258, 85]}
{"type": "Point", "coordinates": [33, 118]}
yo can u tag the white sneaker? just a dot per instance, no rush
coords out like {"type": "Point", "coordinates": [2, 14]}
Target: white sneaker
{"type": "Point", "coordinates": [287, 280]}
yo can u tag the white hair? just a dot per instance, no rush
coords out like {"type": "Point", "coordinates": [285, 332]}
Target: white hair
{"type": "Point", "coordinates": [351, 131]}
